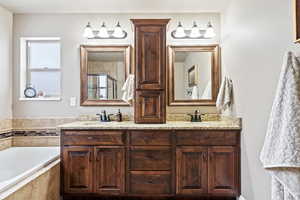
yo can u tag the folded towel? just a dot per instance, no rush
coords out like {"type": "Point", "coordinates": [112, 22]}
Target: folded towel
{"type": "Point", "coordinates": [225, 97]}
{"type": "Point", "coordinates": [128, 89]}
{"type": "Point", "coordinates": [195, 93]}
{"type": "Point", "coordinates": [281, 151]}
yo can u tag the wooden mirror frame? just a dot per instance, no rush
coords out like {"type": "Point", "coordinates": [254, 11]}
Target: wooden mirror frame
{"type": "Point", "coordinates": [84, 49]}
{"type": "Point", "coordinates": [297, 20]}
{"type": "Point", "coordinates": [215, 74]}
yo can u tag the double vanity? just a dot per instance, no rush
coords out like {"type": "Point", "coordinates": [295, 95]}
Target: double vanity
{"type": "Point", "coordinates": [172, 160]}
{"type": "Point", "coordinates": [150, 157]}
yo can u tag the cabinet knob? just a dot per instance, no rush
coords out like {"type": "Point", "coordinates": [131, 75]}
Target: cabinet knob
{"type": "Point", "coordinates": [205, 157]}
{"type": "Point", "coordinates": [150, 181]}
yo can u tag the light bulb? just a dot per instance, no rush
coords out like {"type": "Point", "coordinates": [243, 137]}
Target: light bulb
{"type": "Point", "coordinates": [195, 33]}
{"type": "Point", "coordinates": [118, 31]}
{"type": "Point", "coordinates": [103, 31]}
{"type": "Point", "coordinates": [88, 31]}
{"type": "Point", "coordinates": [179, 33]}
{"type": "Point", "coordinates": [210, 31]}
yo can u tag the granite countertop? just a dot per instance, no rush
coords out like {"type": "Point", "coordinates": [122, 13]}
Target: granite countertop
{"type": "Point", "coordinates": [233, 124]}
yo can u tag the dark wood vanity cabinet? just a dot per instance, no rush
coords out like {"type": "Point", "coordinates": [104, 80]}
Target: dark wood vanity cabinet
{"type": "Point", "coordinates": [150, 163]}
{"type": "Point", "coordinates": [150, 70]}
{"type": "Point", "coordinates": [202, 170]}
{"type": "Point", "coordinates": [78, 168]}
{"type": "Point", "coordinates": [109, 170]}
{"type": "Point", "coordinates": [191, 168]}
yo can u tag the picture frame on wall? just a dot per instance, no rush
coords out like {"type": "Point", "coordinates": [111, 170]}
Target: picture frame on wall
{"type": "Point", "coordinates": [297, 20]}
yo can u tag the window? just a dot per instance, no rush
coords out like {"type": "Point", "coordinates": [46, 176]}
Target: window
{"type": "Point", "coordinates": [40, 67]}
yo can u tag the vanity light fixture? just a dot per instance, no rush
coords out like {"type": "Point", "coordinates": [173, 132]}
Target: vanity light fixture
{"type": "Point", "coordinates": [88, 31]}
{"type": "Point", "coordinates": [118, 32]}
{"type": "Point", "coordinates": [210, 31]}
{"type": "Point", "coordinates": [179, 32]}
{"type": "Point", "coordinates": [194, 33]}
{"type": "Point", "coordinates": [104, 33]}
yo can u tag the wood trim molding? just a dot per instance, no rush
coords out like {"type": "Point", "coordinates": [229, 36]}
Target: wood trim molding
{"type": "Point", "coordinates": [137, 22]}
{"type": "Point", "coordinates": [215, 75]}
{"type": "Point", "coordinates": [296, 10]}
{"type": "Point", "coordinates": [84, 49]}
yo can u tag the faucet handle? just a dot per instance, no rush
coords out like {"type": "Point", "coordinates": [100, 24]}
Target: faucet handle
{"type": "Point", "coordinates": [100, 116]}
{"type": "Point", "coordinates": [108, 117]}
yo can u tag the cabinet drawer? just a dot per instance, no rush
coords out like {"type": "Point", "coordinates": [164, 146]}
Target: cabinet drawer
{"type": "Point", "coordinates": [152, 183]}
{"type": "Point", "coordinates": [150, 158]}
{"type": "Point", "coordinates": [150, 138]}
{"type": "Point", "coordinates": [93, 138]}
{"type": "Point", "coordinates": [207, 138]}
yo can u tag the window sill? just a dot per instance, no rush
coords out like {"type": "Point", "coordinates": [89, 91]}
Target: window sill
{"type": "Point", "coordinates": [40, 99]}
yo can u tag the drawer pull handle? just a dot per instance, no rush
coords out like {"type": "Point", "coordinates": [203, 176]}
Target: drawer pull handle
{"type": "Point", "coordinates": [90, 138]}
{"type": "Point", "coordinates": [150, 181]}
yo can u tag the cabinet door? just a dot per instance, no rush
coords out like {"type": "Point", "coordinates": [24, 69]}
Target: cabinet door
{"type": "Point", "coordinates": [109, 170]}
{"type": "Point", "coordinates": [191, 167]}
{"type": "Point", "coordinates": [150, 57]}
{"type": "Point", "coordinates": [223, 170]}
{"type": "Point", "coordinates": [150, 107]}
{"type": "Point", "coordinates": [77, 168]}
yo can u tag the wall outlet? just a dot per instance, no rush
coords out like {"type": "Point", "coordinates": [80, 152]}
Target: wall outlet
{"type": "Point", "coordinates": [73, 101]}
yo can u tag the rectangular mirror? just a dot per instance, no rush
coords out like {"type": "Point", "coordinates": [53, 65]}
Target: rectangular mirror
{"type": "Point", "coordinates": [194, 75]}
{"type": "Point", "coordinates": [104, 70]}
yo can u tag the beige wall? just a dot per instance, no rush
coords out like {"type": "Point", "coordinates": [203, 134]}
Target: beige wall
{"type": "Point", "coordinates": [6, 19]}
{"type": "Point", "coordinates": [69, 28]}
{"type": "Point", "coordinates": [256, 34]}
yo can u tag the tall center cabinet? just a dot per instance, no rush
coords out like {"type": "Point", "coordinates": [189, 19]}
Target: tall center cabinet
{"type": "Point", "coordinates": [150, 70]}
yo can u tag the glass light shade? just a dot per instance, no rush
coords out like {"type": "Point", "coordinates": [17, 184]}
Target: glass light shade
{"type": "Point", "coordinates": [195, 32]}
{"type": "Point", "coordinates": [118, 31]}
{"type": "Point", "coordinates": [179, 33]}
{"type": "Point", "coordinates": [210, 31]}
{"type": "Point", "coordinates": [88, 31]}
{"type": "Point", "coordinates": [103, 33]}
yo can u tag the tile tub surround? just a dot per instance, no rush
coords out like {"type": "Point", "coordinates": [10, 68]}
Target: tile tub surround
{"type": "Point", "coordinates": [5, 143]}
{"type": "Point", "coordinates": [5, 126]}
{"type": "Point", "coordinates": [37, 138]}
{"type": "Point", "coordinates": [35, 141]}
{"type": "Point", "coordinates": [39, 124]}
{"type": "Point", "coordinates": [42, 186]}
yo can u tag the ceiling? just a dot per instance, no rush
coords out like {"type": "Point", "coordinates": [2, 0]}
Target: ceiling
{"type": "Point", "coordinates": [114, 6]}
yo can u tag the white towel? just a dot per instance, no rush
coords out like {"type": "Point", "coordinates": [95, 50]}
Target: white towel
{"type": "Point", "coordinates": [281, 151]}
{"type": "Point", "coordinates": [195, 93]}
{"type": "Point", "coordinates": [225, 97]}
{"type": "Point", "coordinates": [207, 92]}
{"type": "Point", "coordinates": [128, 89]}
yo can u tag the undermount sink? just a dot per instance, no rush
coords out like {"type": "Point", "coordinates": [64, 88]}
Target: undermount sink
{"type": "Point", "coordinates": [94, 123]}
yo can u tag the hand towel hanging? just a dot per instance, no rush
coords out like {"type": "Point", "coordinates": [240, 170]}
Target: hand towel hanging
{"type": "Point", "coordinates": [128, 89]}
{"type": "Point", "coordinates": [225, 97]}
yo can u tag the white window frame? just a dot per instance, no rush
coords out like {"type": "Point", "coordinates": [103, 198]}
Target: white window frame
{"type": "Point", "coordinates": [25, 70]}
